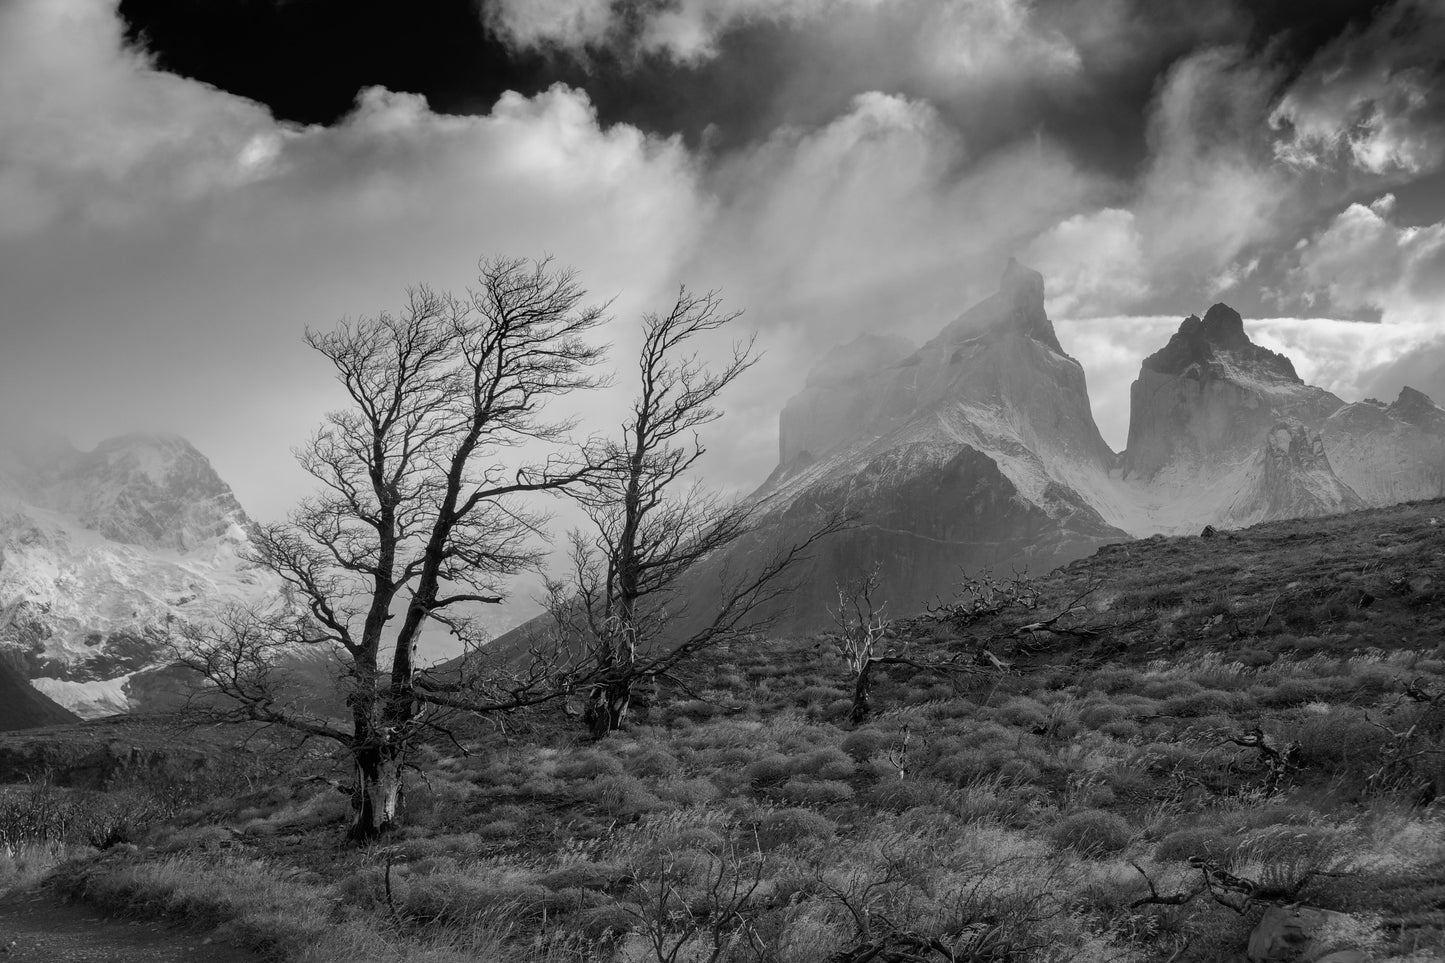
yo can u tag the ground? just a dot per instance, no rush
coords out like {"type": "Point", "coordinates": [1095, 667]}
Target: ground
{"type": "Point", "coordinates": [36, 926]}
{"type": "Point", "coordinates": [1225, 724]}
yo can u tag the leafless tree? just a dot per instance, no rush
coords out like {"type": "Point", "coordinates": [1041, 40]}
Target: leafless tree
{"type": "Point", "coordinates": [861, 627]}
{"type": "Point", "coordinates": [866, 639]}
{"type": "Point", "coordinates": [417, 517]}
{"type": "Point", "coordinates": [625, 599]}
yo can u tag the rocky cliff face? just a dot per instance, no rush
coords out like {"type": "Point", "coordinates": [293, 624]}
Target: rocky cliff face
{"type": "Point", "coordinates": [105, 554]}
{"type": "Point", "coordinates": [154, 491]}
{"type": "Point", "coordinates": [1389, 453]}
{"type": "Point", "coordinates": [1207, 398]}
{"type": "Point", "coordinates": [968, 452]}
{"type": "Point", "coordinates": [1290, 477]}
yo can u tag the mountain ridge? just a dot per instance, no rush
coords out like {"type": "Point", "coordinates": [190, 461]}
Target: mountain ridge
{"type": "Point", "coordinates": [105, 554]}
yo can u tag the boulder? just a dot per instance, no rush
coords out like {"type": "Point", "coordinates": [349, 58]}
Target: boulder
{"type": "Point", "coordinates": [1290, 933]}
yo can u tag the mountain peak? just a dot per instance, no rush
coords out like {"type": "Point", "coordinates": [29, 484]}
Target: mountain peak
{"type": "Point", "coordinates": [1022, 285]}
{"type": "Point", "coordinates": [1220, 332]}
{"type": "Point", "coordinates": [1017, 306]}
{"type": "Point", "coordinates": [152, 490]}
{"type": "Point", "coordinates": [1415, 407]}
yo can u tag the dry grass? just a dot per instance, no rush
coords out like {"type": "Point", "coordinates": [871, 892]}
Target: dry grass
{"type": "Point", "coordinates": [1007, 815]}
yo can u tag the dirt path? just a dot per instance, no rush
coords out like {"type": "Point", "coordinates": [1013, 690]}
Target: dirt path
{"type": "Point", "coordinates": [36, 926]}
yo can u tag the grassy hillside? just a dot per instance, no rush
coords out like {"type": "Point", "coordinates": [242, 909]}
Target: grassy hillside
{"type": "Point", "coordinates": [1220, 726]}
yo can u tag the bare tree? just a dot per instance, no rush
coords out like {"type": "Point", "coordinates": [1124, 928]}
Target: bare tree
{"type": "Point", "coordinates": [625, 602]}
{"type": "Point", "coordinates": [867, 639]}
{"type": "Point", "coordinates": [417, 517]}
{"type": "Point", "coordinates": [861, 627]}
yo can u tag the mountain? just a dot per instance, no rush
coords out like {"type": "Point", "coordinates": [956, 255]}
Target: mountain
{"type": "Point", "coordinates": [1223, 432]}
{"type": "Point", "coordinates": [973, 451]}
{"type": "Point", "coordinates": [154, 491]}
{"type": "Point", "coordinates": [1389, 453]}
{"type": "Point", "coordinates": [1290, 477]}
{"type": "Point", "coordinates": [1209, 396]}
{"type": "Point", "coordinates": [105, 554]}
{"type": "Point", "coordinates": [979, 450]}
{"type": "Point", "coordinates": [23, 707]}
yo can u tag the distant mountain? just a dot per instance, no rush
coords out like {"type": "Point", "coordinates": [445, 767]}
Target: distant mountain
{"type": "Point", "coordinates": [976, 450]}
{"type": "Point", "coordinates": [1208, 398]}
{"type": "Point", "coordinates": [105, 554]}
{"type": "Point", "coordinates": [979, 450]}
{"type": "Point", "coordinates": [1389, 453]}
{"type": "Point", "coordinates": [1290, 477]}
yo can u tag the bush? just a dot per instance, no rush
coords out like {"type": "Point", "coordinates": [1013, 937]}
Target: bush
{"type": "Point", "coordinates": [768, 771]}
{"type": "Point", "coordinates": [1096, 715]}
{"type": "Point", "coordinates": [589, 764]}
{"type": "Point", "coordinates": [1203, 703]}
{"type": "Point", "coordinates": [815, 792]}
{"type": "Point", "coordinates": [1340, 740]}
{"type": "Point", "coordinates": [1093, 832]}
{"type": "Point", "coordinates": [861, 744]}
{"type": "Point", "coordinates": [459, 900]}
{"type": "Point", "coordinates": [687, 792]}
{"type": "Point", "coordinates": [784, 826]}
{"type": "Point", "coordinates": [652, 761]}
{"type": "Point", "coordinates": [601, 921]}
{"type": "Point", "coordinates": [593, 876]}
{"type": "Point", "coordinates": [1210, 842]}
{"type": "Point", "coordinates": [827, 763]}
{"type": "Point", "coordinates": [620, 796]}
{"type": "Point", "coordinates": [1021, 712]}
{"type": "Point", "coordinates": [901, 795]}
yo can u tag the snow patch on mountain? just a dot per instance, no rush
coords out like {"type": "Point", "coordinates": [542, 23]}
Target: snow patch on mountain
{"type": "Point", "coordinates": [106, 555]}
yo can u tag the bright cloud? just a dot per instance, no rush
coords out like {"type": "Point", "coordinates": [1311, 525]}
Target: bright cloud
{"type": "Point", "coordinates": [1362, 259]}
{"type": "Point", "coordinates": [151, 226]}
{"type": "Point", "coordinates": [1094, 263]}
{"type": "Point", "coordinates": [1374, 97]}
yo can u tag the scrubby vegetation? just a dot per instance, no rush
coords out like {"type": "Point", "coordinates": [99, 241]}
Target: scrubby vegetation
{"type": "Point", "coordinates": [1221, 725]}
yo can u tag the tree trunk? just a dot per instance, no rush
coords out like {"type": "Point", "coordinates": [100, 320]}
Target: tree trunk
{"type": "Point", "coordinates": [607, 706]}
{"type": "Point", "coordinates": [861, 706]}
{"type": "Point", "coordinates": [376, 798]}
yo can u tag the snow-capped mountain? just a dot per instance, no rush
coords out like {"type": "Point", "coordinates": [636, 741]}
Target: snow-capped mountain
{"type": "Point", "coordinates": [979, 449]}
{"type": "Point", "coordinates": [1389, 453]}
{"type": "Point", "coordinates": [1209, 396]}
{"type": "Point", "coordinates": [104, 554]}
{"type": "Point", "coordinates": [972, 451]}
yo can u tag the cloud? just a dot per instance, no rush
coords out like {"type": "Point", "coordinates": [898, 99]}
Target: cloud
{"type": "Point", "coordinates": [1363, 260]}
{"type": "Point", "coordinates": [977, 39]}
{"type": "Point", "coordinates": [530, 24]}
{"type": "Point", "coordinates": [1209, 191]}
{"type": "Point", "coordinates": [164, 244]}
{"type": "Point", "coordinates": [93, 132]}
{"type": "Point", "coordinates": [882, 216]}
{"type": "Point", "coordinates": [1209, 195]}
{"type": "Point", "coordinates": [1372, 98]}
{"type": "Point", "coordinates": [1094, 263]}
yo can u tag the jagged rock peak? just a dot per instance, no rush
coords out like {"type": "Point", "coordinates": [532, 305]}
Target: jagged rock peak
{"type": "Point", "coordinates": [1018, 306]}
{"type": "Point", "coordinates": [863, 355]}
{"type": "Point", "coordinates": [1416, 407]}
{"type": "Point", "coordinates": [1219, 334]}
{"type": "Point", "coordinates": [154, 490]}
{"type": "Point", "coordinates": [1022, 285]}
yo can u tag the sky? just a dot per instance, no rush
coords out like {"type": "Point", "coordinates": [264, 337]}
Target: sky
{"type": "Point", "coordinates": [185, 186]}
